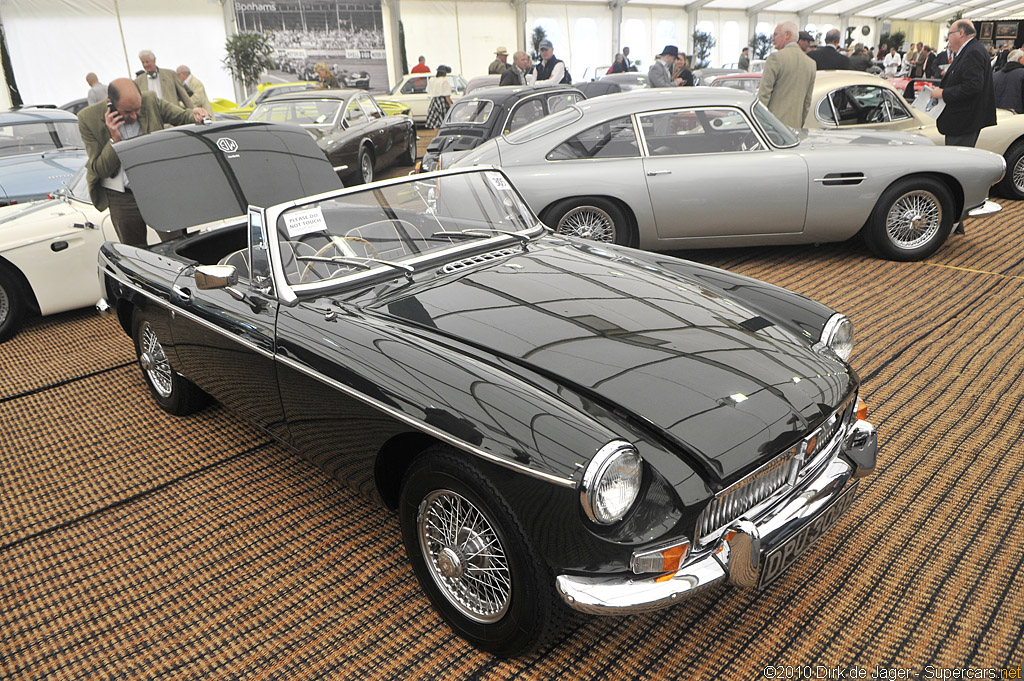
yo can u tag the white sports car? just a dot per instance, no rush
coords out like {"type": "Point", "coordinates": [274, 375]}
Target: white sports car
{"type": "Point", "coordinates": [48, 254]}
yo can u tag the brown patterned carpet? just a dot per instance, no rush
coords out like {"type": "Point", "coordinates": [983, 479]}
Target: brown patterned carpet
{"type": "Point", "coordinates": [138, 545]}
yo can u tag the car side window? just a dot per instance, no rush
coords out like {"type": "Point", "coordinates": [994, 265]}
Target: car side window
{"type": "Point", "coordinates": [561, 101]}
{"type": "Point", "coordinates": [370, 108]}
{"type": "Point", "coordinates": [611, 139]}
{"type": "Point", "coordinates": [858, 105]}
{"type": "Point", "coordinates": [525, 112]}
{"type": "Point", "coordinates": [697, 131]}
{"type": "Point", "coordinates": [354, 113]}
{"type": "Point", "coordinates": [895, 108]}
{"type": "Point", "coordinates": [414, 85]}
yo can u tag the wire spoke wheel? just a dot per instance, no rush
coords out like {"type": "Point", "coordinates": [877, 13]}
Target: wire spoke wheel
{"type": "Point", "coordinates": [464, 556]}
{"type": "Point", "coordinates": [1018, 174]}
{"type": "Point", "coordinates": [914, 219]}
{"type": "Point", "coordinates": [366, 166]}
{"type": "Point", "coordinates": [588, 222]}
{"type": "Point", "coordinates": [154, 362]}
{"type": "Point", "coordinates": [5, 304]}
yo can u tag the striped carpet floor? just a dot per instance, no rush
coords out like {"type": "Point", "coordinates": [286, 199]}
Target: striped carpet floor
{"type": "Point", "coordinates": [138, 545]}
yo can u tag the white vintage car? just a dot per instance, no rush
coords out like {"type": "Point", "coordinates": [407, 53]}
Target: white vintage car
{"type": "Point", "coordinates": [411, 91]}
{"type": "Point", "coordinates": [48, 254]}
{"type": "Point", "coordinates": [854, 100]}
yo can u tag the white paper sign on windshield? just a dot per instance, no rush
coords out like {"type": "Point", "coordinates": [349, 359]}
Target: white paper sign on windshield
{"type": "Point", "coordinates": [305, 221]}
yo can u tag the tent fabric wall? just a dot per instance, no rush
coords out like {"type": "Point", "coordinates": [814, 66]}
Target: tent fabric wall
{"type": "Point", "coordinates": [462, 35]}
{"type": "Point", "coordinates": [580, 33]}
{"type": "Point", "coordinates": [54, 43]}
{"type": "Point", "coordinates": [647, 30]}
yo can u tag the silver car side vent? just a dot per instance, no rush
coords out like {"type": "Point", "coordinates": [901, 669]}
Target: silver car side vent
{"type": "Point", "coordinates": [479, 259]}
{"type": "Point", "coordinates": [841, 179]}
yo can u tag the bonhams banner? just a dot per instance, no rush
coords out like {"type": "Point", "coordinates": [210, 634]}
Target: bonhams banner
{"type": "Point", "coordinates": [346, 35]}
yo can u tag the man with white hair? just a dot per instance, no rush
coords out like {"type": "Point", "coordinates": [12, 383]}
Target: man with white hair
{"type": "Point", "coordinates": [966, 88]}
{"type": "Point", "coordinates": [162, 82]}
{"type": "Point", "coordinates": [518, 73]}
{"type": "Point", "coordinates": [194, 87]}
{"type": "Point", "coordinates": [788, 77]}
{"type": "Point", "coordinates": [1008, 83]}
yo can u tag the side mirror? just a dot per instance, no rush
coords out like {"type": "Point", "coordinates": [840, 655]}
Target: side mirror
{"type": "Point", "coordinates": [215, 277]}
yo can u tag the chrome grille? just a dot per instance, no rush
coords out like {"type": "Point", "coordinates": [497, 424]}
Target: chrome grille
{"type": "Point", "coordinates": [732, 502]}
{"type": "Point", "coordinates": [478, 259]}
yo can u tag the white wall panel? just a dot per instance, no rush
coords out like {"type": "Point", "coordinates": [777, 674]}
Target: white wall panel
{"type": "Point", "coordinates": [463, 36]}
{"type": "Point", "coordinates": [54, 43]}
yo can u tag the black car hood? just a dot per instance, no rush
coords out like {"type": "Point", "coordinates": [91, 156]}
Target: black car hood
{"type": "Point", "coordinates": [197, 174]}
{"type": "Point", "coordinates": [667, 351]}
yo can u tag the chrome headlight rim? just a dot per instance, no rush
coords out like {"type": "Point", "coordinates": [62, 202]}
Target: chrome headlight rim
{"type": "Point", "coordinates": [594, 474]}
{"type": "Point", "coordinates": [834, 336]}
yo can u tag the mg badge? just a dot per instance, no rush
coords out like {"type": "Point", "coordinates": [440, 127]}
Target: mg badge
{"type": "Point", "coordinates": [227, 145]}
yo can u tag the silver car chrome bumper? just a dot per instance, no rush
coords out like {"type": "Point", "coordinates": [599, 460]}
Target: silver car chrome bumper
{"type": "Point", "coordinates": [738, 556]}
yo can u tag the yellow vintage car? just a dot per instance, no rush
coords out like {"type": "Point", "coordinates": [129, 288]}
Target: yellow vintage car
{"type": "Point", "coordinates": [264, 90]}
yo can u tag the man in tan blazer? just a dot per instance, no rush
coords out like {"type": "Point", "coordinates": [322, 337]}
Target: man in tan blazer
{"type": "Point", "coordinates": [164, 83]}
{"type": "Point", "coordinates": [195, 88]}
{"type": "Point", "coordinates": [127, 113]}
{"type": "Point", "coordinates": [788, 78]}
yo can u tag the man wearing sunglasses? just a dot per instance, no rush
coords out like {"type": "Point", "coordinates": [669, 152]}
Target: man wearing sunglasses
{"type": "Point", "coordinates": [966, 88]}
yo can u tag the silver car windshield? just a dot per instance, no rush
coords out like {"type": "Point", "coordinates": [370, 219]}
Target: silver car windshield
{"type": "Point", "coordinates": [543, 126]}
{"type": "Point", "coordinates": [397, 223]}
{"type": "Point", "coordinates": [35, 137]}
{"type": "Point", "coordinates": [298, 112]}
{"type": "Point", "coordinates": [780, 134]}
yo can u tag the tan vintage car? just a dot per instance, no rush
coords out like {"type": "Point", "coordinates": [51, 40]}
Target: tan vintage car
{"type": "Point", "coordinates": [854, 99]}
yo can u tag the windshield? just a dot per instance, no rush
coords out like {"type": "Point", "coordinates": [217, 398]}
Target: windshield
{"type": "Point", "coordinates": [35, 137]}
{"type": "Point", "coordinates": [543, 126]}
{"type": "Point", "coordinates": [778, 132]}
{"type": "Point", "coordinates": [299, 112]}
{"type": "Point", "coordinates": [357, 231]}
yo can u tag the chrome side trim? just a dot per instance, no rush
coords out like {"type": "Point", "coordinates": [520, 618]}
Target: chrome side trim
{"type": "Point", "coordinates": [420, 425]}
{"type": "Point", "coordinates": [365, 399]}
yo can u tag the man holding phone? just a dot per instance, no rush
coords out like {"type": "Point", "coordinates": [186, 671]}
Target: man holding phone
{"type": "Point", "coordinates": [127, 113]}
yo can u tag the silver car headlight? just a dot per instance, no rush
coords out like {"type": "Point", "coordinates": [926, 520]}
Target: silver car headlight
{"type": "Point", "coordinates": [838, 335]}
{"type": "Point", "coordinates": [611, 482]}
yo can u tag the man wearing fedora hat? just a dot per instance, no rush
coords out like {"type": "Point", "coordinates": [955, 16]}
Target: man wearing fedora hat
{"type": "Point", "coordinates": [660, 73]}
{"type": "Point", "coordinates": [500, 62]}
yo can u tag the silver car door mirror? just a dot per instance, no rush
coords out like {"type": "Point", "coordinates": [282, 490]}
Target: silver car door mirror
{"type": "Point", "coordinates": [215, 277]}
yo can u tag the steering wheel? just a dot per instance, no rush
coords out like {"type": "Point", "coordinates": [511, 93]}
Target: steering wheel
{"type": "Point", "coordinates": [749, 142]}
{"type": "Point", "coordinates": [333, 243]}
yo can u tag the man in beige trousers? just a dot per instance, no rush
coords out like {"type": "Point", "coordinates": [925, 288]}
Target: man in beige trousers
{"type": "Point", "coordinates": [788, 78]}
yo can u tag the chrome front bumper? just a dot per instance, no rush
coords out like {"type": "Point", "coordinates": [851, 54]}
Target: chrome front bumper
{"type": "Point", "coordinates": [738, 556]}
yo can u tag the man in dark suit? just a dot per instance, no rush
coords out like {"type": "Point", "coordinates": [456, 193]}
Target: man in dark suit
{"type": "Point", "coordinates": [942, 58]}
{"type": "Point", "coordinates": [966, 88]}
{"type": "Point", "coordinates": [126, 113]}
{"type": "Point", "coordinates": [928, 66]}
{"type": "Point", "coordinates": [828, 57]}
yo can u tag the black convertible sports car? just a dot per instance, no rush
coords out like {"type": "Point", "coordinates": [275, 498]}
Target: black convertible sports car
{"type": "Point", "coordinates": [558, 423]}
{"type": "Point", "coordinates": [350, 128]}
{"type": "Point", "coordinates": [491, 112]}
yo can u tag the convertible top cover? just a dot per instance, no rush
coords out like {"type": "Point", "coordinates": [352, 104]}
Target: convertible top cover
{"type": "Point", "coordinates": [195, 174]}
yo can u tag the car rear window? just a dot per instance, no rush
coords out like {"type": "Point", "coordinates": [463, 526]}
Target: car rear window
{"type": "Point", "coordinates": [544, 125]}
{"type": "Point", "coordinates": [473, 111]}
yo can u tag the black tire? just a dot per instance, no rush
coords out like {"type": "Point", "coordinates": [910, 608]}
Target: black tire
{"type": "Point", "coordinates": [591, 217]}
{"type": "Point", "coordinates": [1012, 185]}
{"type": "Point", "coordinates": [522, 611]}
{"type": "Point", "coordinates": [364, 174]}
{"type": "Point", "coordinates": [12, 304]}
{"type": "Point", "coordinates": [409, 159]}
{"type": "Point", "coordinates": [174, 393]}
{"type": "Point", "coordinates": [911, 220]}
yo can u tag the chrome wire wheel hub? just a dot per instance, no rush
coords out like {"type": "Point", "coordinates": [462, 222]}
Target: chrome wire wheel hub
{"type": "Point", "coordinates": [914, 219]}
{"type": "Point", "coordinates": [464, 556]}
{"type": "Point", "coordinates": [5, 305]}
{"type": "Point", "coordinates": [588, 222]}
{"type": "Point", "coordinates": [366, 165]}
{"type": "Point", "coordinates": [1018, 174]}
{"type": "Point", "coordinates": [154, 361]}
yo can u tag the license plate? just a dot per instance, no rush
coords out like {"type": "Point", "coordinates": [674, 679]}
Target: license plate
{"type": "Point", "coordinates": [785, 554]}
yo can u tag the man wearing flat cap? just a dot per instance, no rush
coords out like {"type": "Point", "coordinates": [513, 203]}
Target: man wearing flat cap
{"type": "Point", "coordinates": [788, 78]}
{"type": "Point", "coordinates": [805, 41]}
{"type": "Point", "coordinates": [660, 73]}
{"type": "Point", "coordinates": [500, 63]}
{"type": "Point", "coordinates": [550, 70]}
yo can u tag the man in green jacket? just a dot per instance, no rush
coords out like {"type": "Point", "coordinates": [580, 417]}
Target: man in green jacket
{"type": "Point", "coordinates": [127, 113]}
{"type": "Point", "coordinates": [788, 77]}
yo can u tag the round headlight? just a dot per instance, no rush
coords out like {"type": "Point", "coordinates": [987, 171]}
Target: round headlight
{"type": "Point", "coordinates": [838, 335]}
{"type": "Point", "coordinates": [611, 483]}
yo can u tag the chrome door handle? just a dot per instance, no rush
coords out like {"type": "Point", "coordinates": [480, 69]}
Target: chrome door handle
{"type": "Point", "coordinates": [659, 172]}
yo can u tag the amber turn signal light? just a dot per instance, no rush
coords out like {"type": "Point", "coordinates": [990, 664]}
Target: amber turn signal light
{"type": "Point", "coordinates": [862, 409]}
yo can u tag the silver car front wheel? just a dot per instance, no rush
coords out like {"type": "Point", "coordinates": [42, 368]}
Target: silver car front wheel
{"type": "Point", "coordinates": [911, 220]}
{"type": "Point", "coordinates": [914, 219]}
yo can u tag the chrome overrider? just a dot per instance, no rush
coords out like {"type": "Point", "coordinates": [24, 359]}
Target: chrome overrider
{"type": "Point", "coordinates": [737, 555]}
